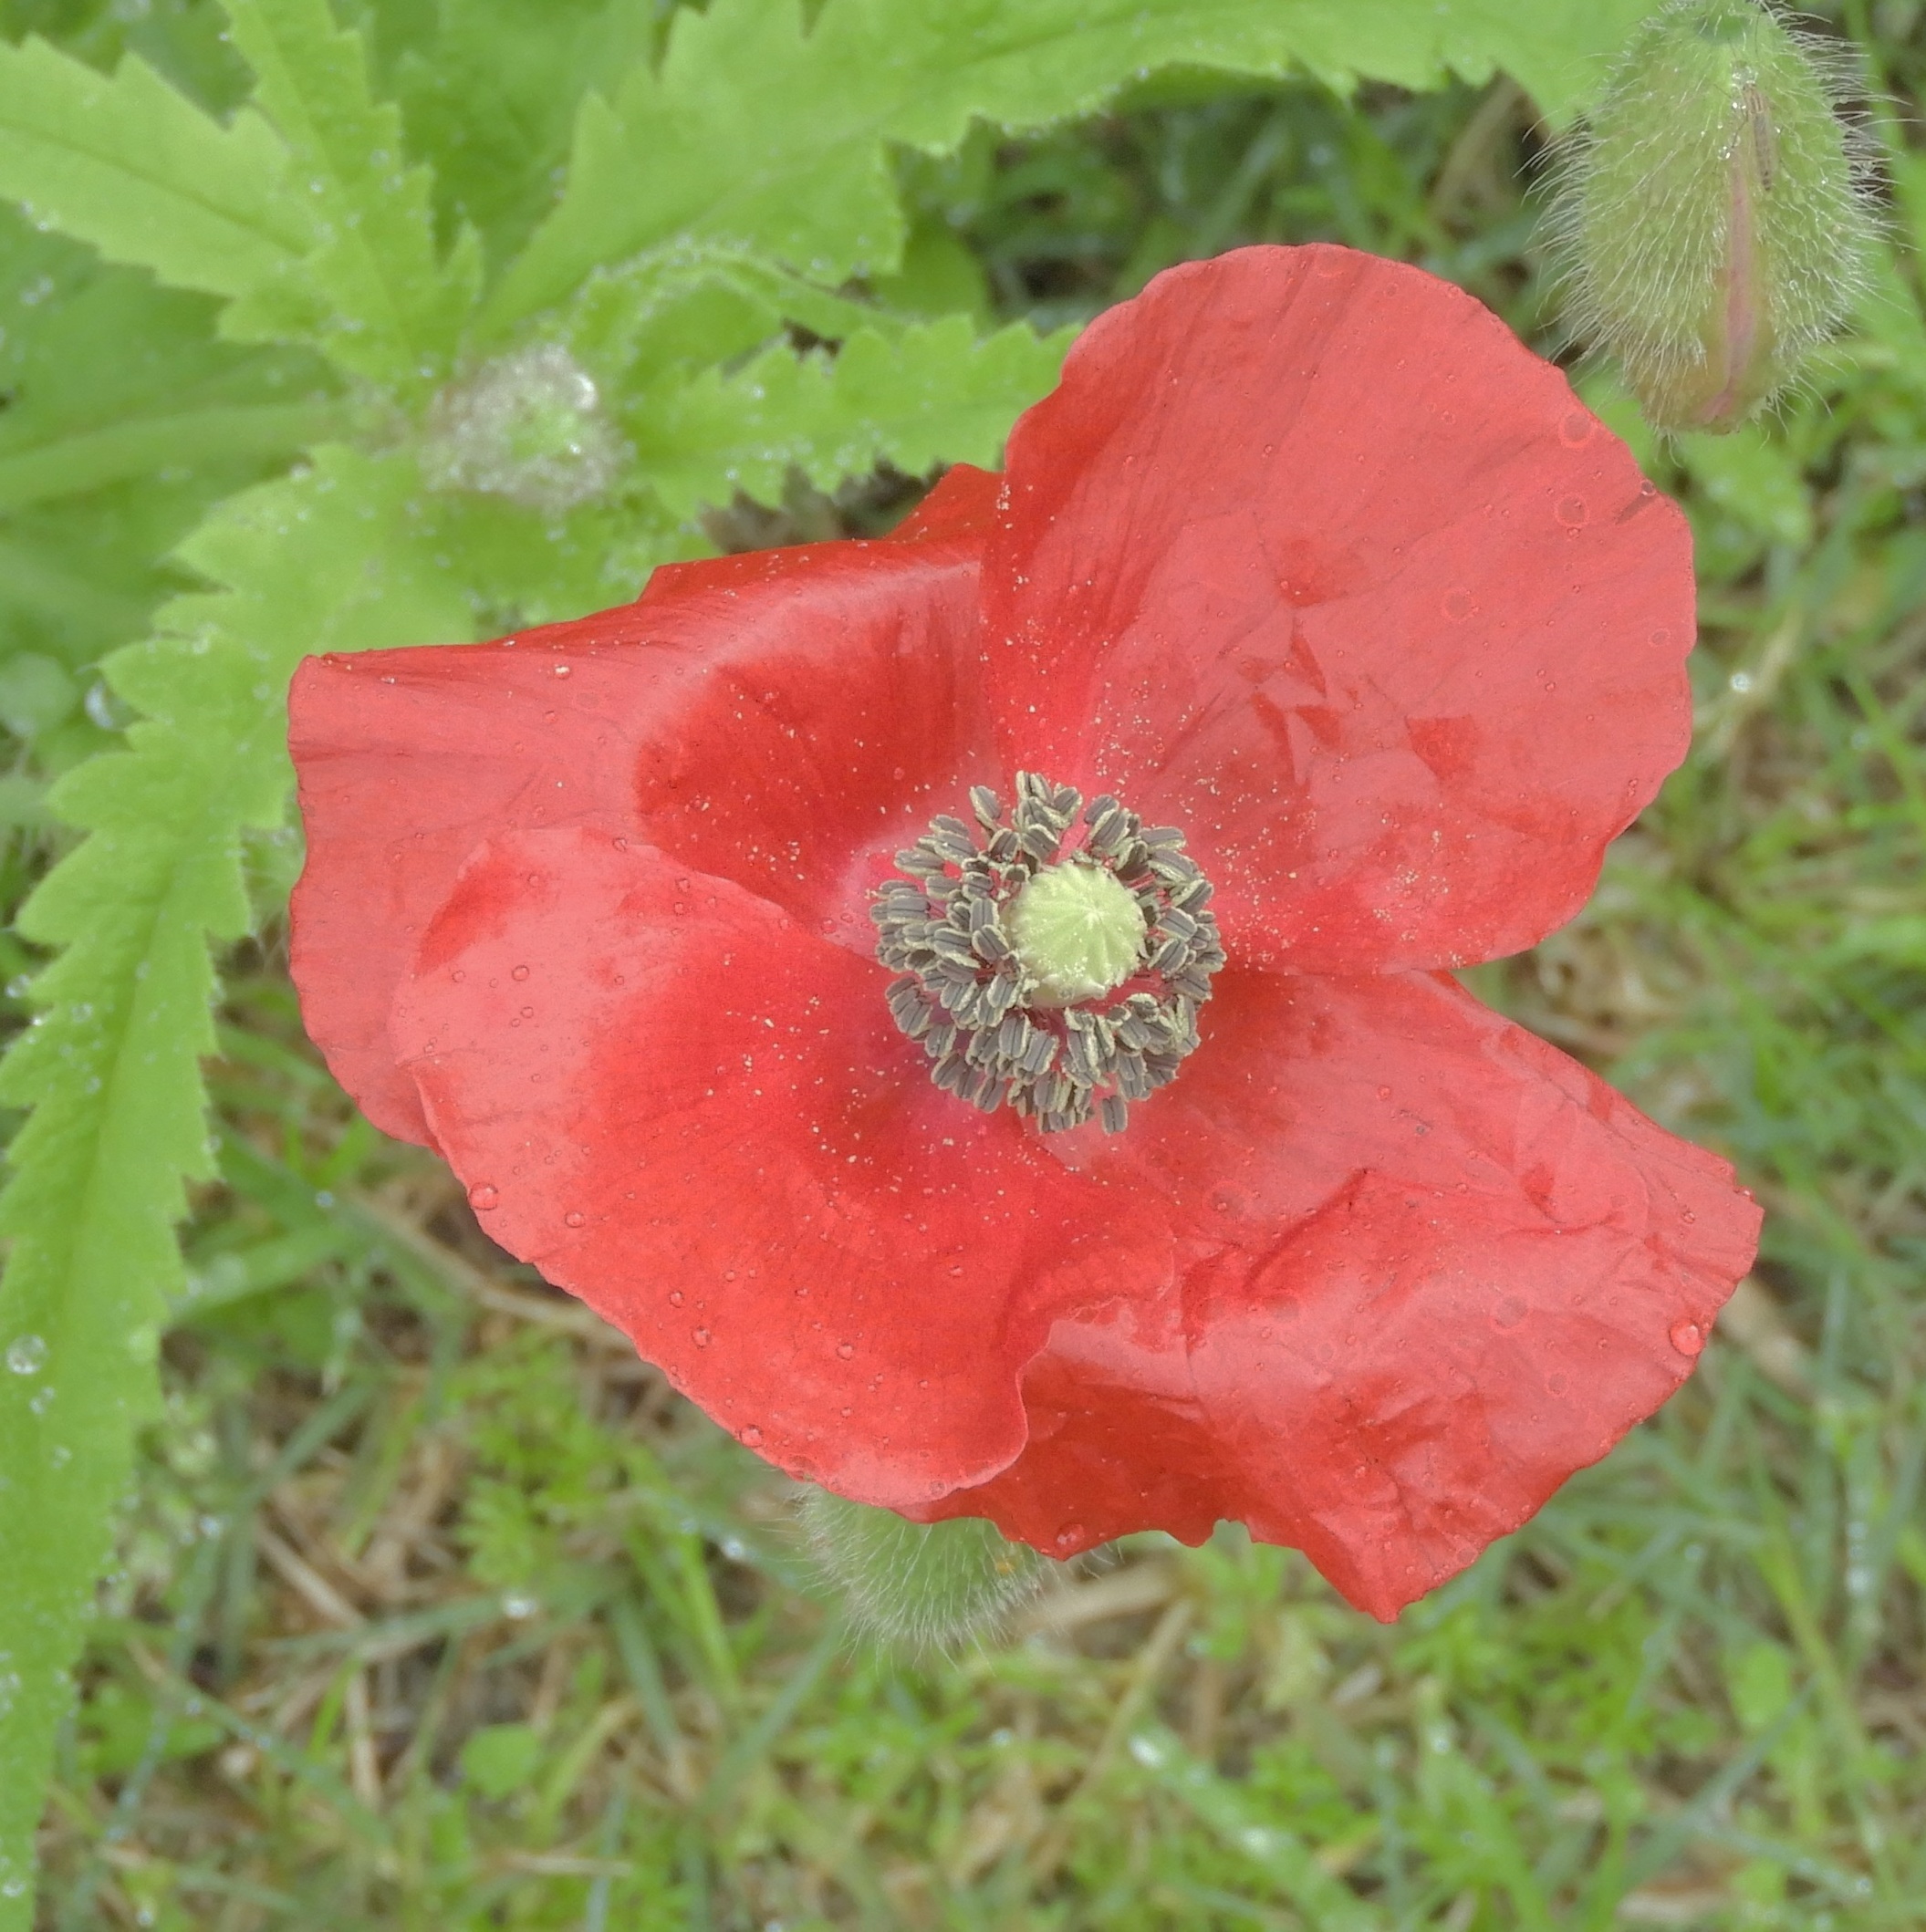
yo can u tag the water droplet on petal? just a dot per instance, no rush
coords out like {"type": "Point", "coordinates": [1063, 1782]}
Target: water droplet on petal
{"type": "Point", "coordinates": [752, 1436]}
{"type": "Point", "coordinates": [1687, 1337]}
{"type": "Point", "coordinates": [1457, 604]}
{"type": "Point", "coordinates": [1070, 1535]}
{"type": "Point", "coordinates": [1510, 1312]}
{"type": "Point", "coordinates": [520, 972]}
{"type": "Point", "coordinates": [700, 1337]}
{"type": "Point", "coordinates": [483, 1195]}
{"type": "Point", "coordinates": [1576, 428]}
{"type": "Point", "coordinates": [574, 1218]}
{"type": "Point", "coordinates": [1572, 512]}
{"type": "Point", "coordinates": [846, 1349]}
{"type": "Point", "coordinates": [1555, 1383]}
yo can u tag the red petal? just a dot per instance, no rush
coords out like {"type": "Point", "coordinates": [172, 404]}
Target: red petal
{"type": "Point", "coordinates": [832, 702]}
{"type": "Point", "coordinates": [408, 760]}
{"type": "Point", "coordinates": [961, 506]}
{"type": "Point", "coordinates": [1434, 1267]}
{"type": "Point", "coordinates": [1308, 556]}
{"type": "Point", "coordinates": [785, 719]}
{"type": "Point", "coordinates": [683, 1107]}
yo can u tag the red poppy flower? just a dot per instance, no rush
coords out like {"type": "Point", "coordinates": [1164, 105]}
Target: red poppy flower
{"type": "Point", "coordinates": [1335, 640]}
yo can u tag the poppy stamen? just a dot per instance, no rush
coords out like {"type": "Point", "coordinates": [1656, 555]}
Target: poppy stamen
{"type": "Point", "coordinates": [1053, 959]}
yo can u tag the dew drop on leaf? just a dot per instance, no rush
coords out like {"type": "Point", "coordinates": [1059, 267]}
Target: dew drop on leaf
{"type": "Point", "coordinates": [26, 1354]}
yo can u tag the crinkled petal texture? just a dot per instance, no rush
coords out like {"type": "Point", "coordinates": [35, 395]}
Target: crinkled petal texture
{"type": "Point", "coordinates": [1430, 1266]}
{"type": "Point", "coordinates": [785, 719]}
{"type": "Point", "coordinates": [1307, 556]}
{"type": "Point", "coordinates": [686, 1108]}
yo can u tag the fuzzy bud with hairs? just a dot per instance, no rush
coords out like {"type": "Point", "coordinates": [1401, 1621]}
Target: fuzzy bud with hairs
{"type": "Point", "coordinates": [1712, 213]}
{"type": "Point", "coordinates": [918, 1586]}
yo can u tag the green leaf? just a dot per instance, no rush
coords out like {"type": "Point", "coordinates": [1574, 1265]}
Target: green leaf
{"type": "Point", "coordinates": [499, 1759]}
{"type": "Point", "coordinates": [90, 458]}
{"type": "Point", "coordinates": [1756, 479]}
{"type": "Point", "coordinates": [933, 394]}
{"type": "Point", "coordinates": [139, 171]}
{"type": "Point", "coordinates": [373, 295]}
{"type": "Point", "coordinates": [110, 1068]}
{"type": "Point", "coordinates": [521, 567]}
{"type": "Point", "coordinates": [1891, 326]}
{"type": "Point", "coordinates": [126, 421]}
{"type": "Point", "coordinates": [1226, 1810]}
{"type": "Point", "coordinates": [490, 87]}
{"type": "Point", "coordinates": [696, 304]}
{"type": "Point", "coordinates": [753, 130]}
{"type": "Point", "coordinates": [35, 693]}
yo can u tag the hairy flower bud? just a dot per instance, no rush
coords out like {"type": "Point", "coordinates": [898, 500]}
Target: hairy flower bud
{"type": "Point", "coordinates": [923, 1586]}
{"type": "Point", "coordinates": [529, 427]}
{"type": "Point", "coordinates": [1713, 222]}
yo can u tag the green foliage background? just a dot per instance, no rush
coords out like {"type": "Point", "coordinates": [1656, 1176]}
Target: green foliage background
{"type": "Point", "coordinates": [259, 246]}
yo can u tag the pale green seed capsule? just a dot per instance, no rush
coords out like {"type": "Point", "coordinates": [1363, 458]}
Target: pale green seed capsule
{"type": "Point", "coordinates": [1079, 932]}
{"type": "Point", "coordinates": [1713, 224]}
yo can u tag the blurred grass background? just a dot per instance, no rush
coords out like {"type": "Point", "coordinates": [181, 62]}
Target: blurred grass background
{"type": "Point", "coordinates": [436, 1608]}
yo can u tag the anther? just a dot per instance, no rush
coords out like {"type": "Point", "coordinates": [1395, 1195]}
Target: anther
{"type": "Point", "coordinates": [1053, 959]}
